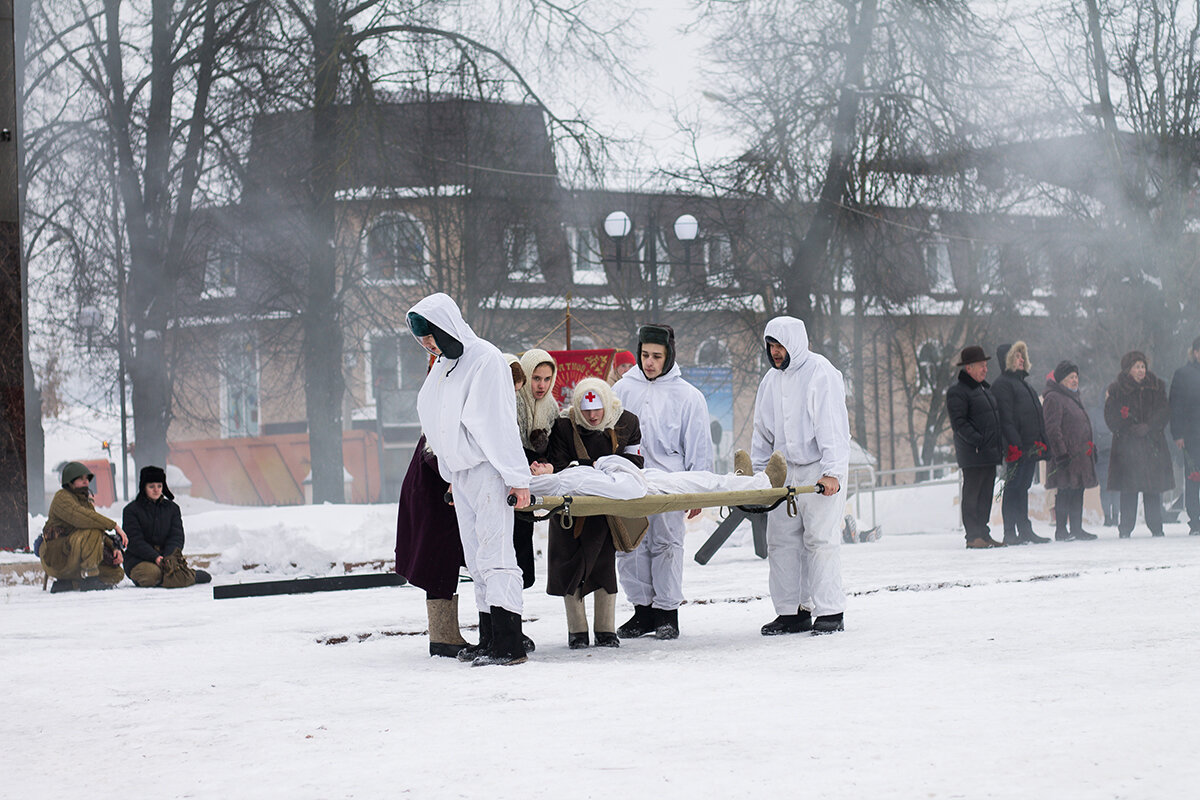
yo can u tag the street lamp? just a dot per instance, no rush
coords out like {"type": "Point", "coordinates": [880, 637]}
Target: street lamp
{"type": "Point", "coordinates": [618, 225]}
{"type": "Point", "coordinates": [89, 320]}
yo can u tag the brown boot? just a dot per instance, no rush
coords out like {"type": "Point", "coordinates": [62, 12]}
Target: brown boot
{"type": "Point", "coordinates": [741, 463]}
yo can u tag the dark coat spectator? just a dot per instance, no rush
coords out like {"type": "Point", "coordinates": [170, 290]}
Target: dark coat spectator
{"type": "Point", "coordinates": [154, 524]}
{"type": "Point", "coordinates": [1021, 421]}
{"type": "Point", "coordinates": [1072, 447]}
{"type": "Point", "coordinates": [1136, 411]}
{"type": "Point", "coordinates": [975, 419]}
{"type": "Point", "coordinates": [1185, 430]}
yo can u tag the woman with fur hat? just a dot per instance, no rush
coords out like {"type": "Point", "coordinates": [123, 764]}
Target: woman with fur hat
{"type": "Point", "coordinates": [582, 559]}
{"type": "Point", "coordinates": [1137, 412]}
{"type": "Point", "coordinates": [1072, 451]}
{"type": "Point", "coordinates": [1024, 440]}
{"type": "Point", "coordinates": [155, 527]}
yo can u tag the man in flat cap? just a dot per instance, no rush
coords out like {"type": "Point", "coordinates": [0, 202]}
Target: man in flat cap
{"type": "Point", "coordinates": [975, 420]}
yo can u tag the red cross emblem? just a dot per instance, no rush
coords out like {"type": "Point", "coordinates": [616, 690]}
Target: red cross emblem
{"type": "Point", "coordinates": [590, 397]}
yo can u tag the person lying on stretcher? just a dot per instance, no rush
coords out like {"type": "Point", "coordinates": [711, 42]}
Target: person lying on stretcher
{"type": "Point", "coordinates": [616, 477]}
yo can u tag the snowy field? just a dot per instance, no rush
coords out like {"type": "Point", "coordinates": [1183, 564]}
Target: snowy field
{"type": "Point", "coordinates": [1064, 670]}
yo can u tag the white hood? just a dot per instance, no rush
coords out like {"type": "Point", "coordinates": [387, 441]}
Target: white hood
{"type": "Point", "coordinates": [801, 410]}
{"type": "Point", "coordinates": [673, 416]}
{"type": "Point", "coordinates": [467, 407]}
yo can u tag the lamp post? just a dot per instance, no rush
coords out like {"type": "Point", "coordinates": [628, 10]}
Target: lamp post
{"type": "Point", "coordinates": [618, 225]}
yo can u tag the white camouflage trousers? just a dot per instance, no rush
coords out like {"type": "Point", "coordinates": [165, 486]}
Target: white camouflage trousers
{"type": "Point", "coordinates": [485, 525]}
{"type": "Point", "coordinates": [805, 552]}
{"type": "Point", "coordinates": [652, 575]}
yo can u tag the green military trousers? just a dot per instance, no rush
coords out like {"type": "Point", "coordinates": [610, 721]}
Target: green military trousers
{"type": "Point", "coordinates": [77, 556]}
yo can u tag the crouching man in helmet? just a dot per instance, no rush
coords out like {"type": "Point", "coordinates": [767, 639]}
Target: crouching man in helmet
{"type": "Point", "coordinates": [77, 550]}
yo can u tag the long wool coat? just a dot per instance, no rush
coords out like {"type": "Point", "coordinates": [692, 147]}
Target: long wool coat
{"type": "Point", "coordinates": [1069, 431]}
{"type": "Point", "coordinates": [428, 550]}
{"type": "Point", "coordinates": [589, 562]}
{"type": "Point", "coordinates": [1137, 414]}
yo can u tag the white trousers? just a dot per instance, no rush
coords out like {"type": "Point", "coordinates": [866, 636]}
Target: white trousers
{"type": "Point", "coordinates": [485, 525]}
{"type": "Point", "coordinates": [619, 479]}
{"type": "Point", "coordinates": [652, 575]}
{"type": "Point", "coordinates": [805, 552]}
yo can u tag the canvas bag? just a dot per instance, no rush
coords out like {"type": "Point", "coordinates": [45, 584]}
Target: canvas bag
{"type": "Point", "coordinates": [627, 532]}
{"type": "Point", "coordinates": [176, 572]}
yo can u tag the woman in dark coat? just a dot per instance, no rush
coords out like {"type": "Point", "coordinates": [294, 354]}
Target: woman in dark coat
{"type": "Point", "coordinates": [428, 549]}
{"type": "Point", "coordinates": [1072, 451]}
{"type": "Point", "coordinates": [154, 525]}
{"type": "Point", "coordinates": [1024, 440]}
{"type": "Point", "coordinates": [582, 559]}
{"type": "Point", "coordinates": [1137, 413]}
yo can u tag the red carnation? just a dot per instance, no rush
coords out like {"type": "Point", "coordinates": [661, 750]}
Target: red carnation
{"type": "Point", "coordinates": [1041, 446]}
{"type": "Point", "coordinates": [1014, 453]}
{"type": "Point", "coordinates": [1194, 477]}
{"type": "Point", "coordinates": [1124, 412]}
{"type": "Point", "coordinates": [1091, 448]}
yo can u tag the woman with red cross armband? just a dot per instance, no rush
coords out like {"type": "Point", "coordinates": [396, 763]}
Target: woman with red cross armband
{"type": "Point", "coordinates": [582, 558]}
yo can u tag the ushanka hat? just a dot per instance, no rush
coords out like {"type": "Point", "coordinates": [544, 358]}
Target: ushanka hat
{"type": "Point", "coordinates": [153, 474]}
{"type": "Point", "coordinates": [658, 334]}
{"type": "Point", "coordinates": [972, 354]}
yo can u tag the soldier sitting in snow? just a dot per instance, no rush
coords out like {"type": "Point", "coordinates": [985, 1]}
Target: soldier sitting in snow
{"type": "Point", "coordinates": [77, 550]}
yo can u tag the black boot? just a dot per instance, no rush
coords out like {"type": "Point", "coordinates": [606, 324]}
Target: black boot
{"type": "Point", "coordinates": [1027, 536]}
{"type": "Point", "coordinates": [63, 586]}
{"type": "Point", "coordinates": [508, 646]}
{"type": "Point", "coordinates": [607, 639]}
{"type": "Point", "coordinates": [641, 623]}
{"type": "Point", "coordinates": [577, 641]}
{"type": "Point", "coordinates": [473, 651]}
{"type": "Point", "coordinates": [1083, 536]}
{"type": "Point", "coordinates": [668, 624]}
{"type": "Point", "coordinates": [202, 576]}
{"type": "Point", "coordinates": [93, 584]}
{"type": "Point", "coordinates": [830, 623]}
{"type": "Point", "coordinates": [1012, 538]}
{"type": "Point", "coordinates": [789, 623]}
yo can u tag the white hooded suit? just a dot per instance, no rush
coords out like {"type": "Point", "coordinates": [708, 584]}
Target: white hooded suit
{"type": "Point", "coordinates": [676, 436]}
{"type": "Point", "coordinates": [468, 412]}
{"type": "Point", "coordinates": [800, 410]}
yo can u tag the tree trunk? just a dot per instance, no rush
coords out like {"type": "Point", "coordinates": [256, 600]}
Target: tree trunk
{"type": "Point", "coordinates": [324, 384]}
{"type": "Point", "coordinates": [811, 254]}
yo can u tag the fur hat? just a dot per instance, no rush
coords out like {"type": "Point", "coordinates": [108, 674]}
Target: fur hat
{"type": "Point", "coordinates": [153, 474]}
{"type": "Point", "coordinates": [1010, 356]}
{"type": "Point", "coordinates": [72, 470]}
{"type": "Point", "coordinates": [596, 388]}
{"type": "Point", "coordinates": [972, 354]}
{"type": "Point", "coordinates": [1064, 368]}
{"type": "Point", "coordinates": [658, 334]}
{"type": "Point", "coordinates": [1131, 358]}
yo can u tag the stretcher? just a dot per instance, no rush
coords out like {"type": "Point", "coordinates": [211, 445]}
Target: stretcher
{"type": "Point", "coordinates": [754, 501]}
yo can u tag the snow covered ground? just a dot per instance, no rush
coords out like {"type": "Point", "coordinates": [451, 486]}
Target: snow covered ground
{"type": "Point", "coordinates": [1064, 670]}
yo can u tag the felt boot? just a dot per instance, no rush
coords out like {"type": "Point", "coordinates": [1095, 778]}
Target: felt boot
{"type": "Point", "coordinates": [641, 623]}
{"type": "Point", "coordinates": [508, 644]}
{"type": "Point", "coordinates": [473, 651]}
{"type": "Point", "coordinates": [776, 470]}
{"type": "Point", "coordinates": [445, 639]}
{"type": "Point", "coordinates": [668, 624]}
{"type": "Point", "coordinates": [741, 463]}
{"type": "Point", "coordinates": [577, 629]}
{"type": "Point", "coordinates": [605, 618]}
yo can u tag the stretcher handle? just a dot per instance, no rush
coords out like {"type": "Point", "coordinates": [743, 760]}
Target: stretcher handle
{"type": "Point", "coordinates": [512, 500]}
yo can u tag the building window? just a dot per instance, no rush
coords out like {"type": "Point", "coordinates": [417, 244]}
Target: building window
{"type": "Point", "coordinates": [937, 266]}
{"type": "Point", "coordinates": [712, 353]}
{"type": "Point", "coordinates": [987, 258]}
{"type": "Point", "coordinates": [929, 363]}
{"type": "Point", "coordinates": [239, 389]}
{"type": "Point", "coordinates": [521, 255]}
{"type": "Point", "coordinates": [587, 267]}
{"type": "Point", "coordinates": [220, 271]}
{"type": "Point", "coordinates": [720, 272]}
{"type": "Point", "coordinates": [396, 249]}
{"type": "Point", "coordinates": [395, 369]}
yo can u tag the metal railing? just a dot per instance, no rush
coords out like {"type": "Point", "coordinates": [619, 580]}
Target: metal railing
{"type": "Point", "coordinates": [865, 478]}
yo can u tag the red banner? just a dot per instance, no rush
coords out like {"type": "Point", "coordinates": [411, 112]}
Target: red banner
{"type": "Point", "coordinates": [574, 366]}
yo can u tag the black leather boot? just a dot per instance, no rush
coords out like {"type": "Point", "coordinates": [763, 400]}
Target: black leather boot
{"type": "Point", "coordinates": [830, 623]}
{"type": "Point", "coordinates": [789, 623]}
